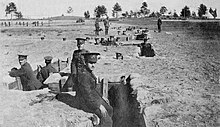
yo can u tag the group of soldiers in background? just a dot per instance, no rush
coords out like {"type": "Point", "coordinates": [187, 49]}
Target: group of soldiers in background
{"type": "Point", "coordinates": [35, 23]}
{"type": "Point", "coordinates": [106, 25]}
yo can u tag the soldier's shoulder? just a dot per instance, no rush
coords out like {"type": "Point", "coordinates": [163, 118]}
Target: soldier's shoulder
{"type": "Point", "coordinates": [83, 72]}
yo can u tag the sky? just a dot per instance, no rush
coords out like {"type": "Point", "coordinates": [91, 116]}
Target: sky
{"type": "Point", "coordinates": [48, 8]}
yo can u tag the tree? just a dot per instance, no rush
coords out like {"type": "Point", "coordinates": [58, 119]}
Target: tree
{"type": "Point", "coordinates": [69, 10]}
{"type": "Point", "coordinates": [18, 15]}
{"type": "Point", "coordinates": [86, 14]}
{"type": "Point", "coordinates": [193, 14]}
{"type": "Point", "coordinates": [163, 10]}
{"type": "Point", "coordinates": [175, 15]}
{"type": "Point", "coordinates": [213, 12]}
{"type": "Point", "coordinates": [185, 12]}
{"type": "Point", "coordinates": [202, 10]}
{"type": "Point", "coordinates": [144, 10]}
{"type": "Point", "coordinates": [158, 14]}
{"type": "Point", "coordinates": [135, 14]}
{"type": "Point", "coordinates": [131, 13]}
{"type": "Point", "coordinates": [152, 14]}
{"type": "Point", "coordinates": [11, 7]}
{"type": "Point", "coordinates": [116, 9]}
{"type": "Point", "coordinates": [100, 10]}
{"type": "Point", "coordinates": [138, 14]}
{"type": "Point", "coordinates": [126, 13]}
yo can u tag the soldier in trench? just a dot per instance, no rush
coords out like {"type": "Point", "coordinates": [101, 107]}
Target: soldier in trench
{"type": "Point", "coordinates": [146, 49]}
{"type": "Point", "coordinates": [86, 92]}
{"type": "Point", "coordinates": [76, 64]}
{"type": "Point", "coordinates": [28, 80]}
{"type": "Point", "coordinates": [44, 72]}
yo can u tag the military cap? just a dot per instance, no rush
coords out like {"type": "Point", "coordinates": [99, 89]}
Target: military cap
{"type": "Point", "coordinates": [91, 57]}
{"type": "Point", "coordinates": [49, 58]}
{"type": "Point", "coordinates": [80, 41]}
{"type": "Point", "coordinates": [22, 56]}
{"type": "Point", "coordinates": [112, 36]}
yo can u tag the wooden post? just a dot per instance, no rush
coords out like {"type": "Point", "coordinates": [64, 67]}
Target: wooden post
{"type": "Point", "coordinates": [58, 65]}
{"type": "Point", "coordinates": [105, 88]}
{"type": "Point", "coordinates": [19, 85]}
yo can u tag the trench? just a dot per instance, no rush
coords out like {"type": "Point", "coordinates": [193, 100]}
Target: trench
{"type": "Point", "coordinates": [126, 111]}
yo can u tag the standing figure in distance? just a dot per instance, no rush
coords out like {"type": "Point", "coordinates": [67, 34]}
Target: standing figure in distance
{"type": "Point", "coordinates": [159, 23]}
{"type": "Point", "coordinates": [86, 92]}
{"type": "Point", "coordinates": [45, 71]}
{"type": "Point", "coordinates": [107, 25]}
{"type": "Point", "coordinates": [28, 80]}
{"type": "Point", "coordinates": [97, 27]}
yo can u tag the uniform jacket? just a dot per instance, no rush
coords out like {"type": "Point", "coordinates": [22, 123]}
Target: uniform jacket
{"type": "Point", "coordinates": [45, 72]}
{"type": "Point", "coordinates": [90, 99]}
{"type": "Point", "coordinates": [146, 51]}
{"type": "Point", "coordinates": [106, 23]}
{"type": "Point", "coordinates": [77, 60]}
{"type": "Point", "coordinates": [159, 22]}
{"type": "Point", "coordinates": [28, 79]}
{"type": "Point", "coordinates": [87, 91]}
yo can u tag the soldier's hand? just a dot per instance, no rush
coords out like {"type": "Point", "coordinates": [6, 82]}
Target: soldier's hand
{"type": "Point", "coordinates": [103, 110]}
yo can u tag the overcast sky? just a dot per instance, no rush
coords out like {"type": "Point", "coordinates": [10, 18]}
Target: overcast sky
{"type": "Point", "coordinates": [47, 8]}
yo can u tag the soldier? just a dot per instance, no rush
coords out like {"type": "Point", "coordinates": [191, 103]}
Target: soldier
{"type": "Point", "coordinates": [28, 80]}
{"type": "Point", "coordinates": [146, 49]}
{"type": "Point", "coordinates": [86, 92]}
{"type": "Point", "coordinates": [45, 72]}
{"type": "Point", "coordinates": [159, 23]}
{"type": "Point", "coordinates": [97, 26]}
{"type": "Point", "coordinates": [76, 64]}
{"type": "Point", "coordinates": [106, 24]}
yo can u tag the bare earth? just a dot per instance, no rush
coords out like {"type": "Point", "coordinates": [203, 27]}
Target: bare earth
{"type": "Point", "coordinates": [176, 88]}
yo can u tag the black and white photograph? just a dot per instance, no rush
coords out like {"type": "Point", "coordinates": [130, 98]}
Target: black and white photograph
{"type": "Point", "coordinates": [110, 63]}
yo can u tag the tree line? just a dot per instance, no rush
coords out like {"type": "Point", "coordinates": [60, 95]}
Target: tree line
{"type": "Point", "coordinates": [144, 11]}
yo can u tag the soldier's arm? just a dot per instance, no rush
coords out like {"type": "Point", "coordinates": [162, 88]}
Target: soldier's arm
{"type": "Point", "coordinates": [90, 95]}
{"type": "Point", "coordinates": [17, 73]}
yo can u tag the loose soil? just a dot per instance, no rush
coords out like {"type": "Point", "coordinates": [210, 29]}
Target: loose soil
{"type": "Point", "coordinates": [177, 87]}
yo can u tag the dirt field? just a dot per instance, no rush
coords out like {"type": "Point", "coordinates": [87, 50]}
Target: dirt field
{"type": "Point", "coordinates": [178, 87]}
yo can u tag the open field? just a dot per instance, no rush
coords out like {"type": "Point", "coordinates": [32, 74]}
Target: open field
{"type": "Point", "coordinates": [179, 86]}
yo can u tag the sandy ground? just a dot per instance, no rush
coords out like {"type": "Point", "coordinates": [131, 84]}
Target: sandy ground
{"type": "Point", "coordinates": [177, 87]}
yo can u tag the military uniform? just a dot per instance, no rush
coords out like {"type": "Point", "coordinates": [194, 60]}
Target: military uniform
{"type": "Point", "coordinates": [146, 50]}
{"type": "Point", "coordinates": [77, 60]}
{"type": "Point", "coordinates": [106, 24]}
{"type": "Point", "coordinates": [26, 74]}
{"type": "Point", "coordinates": [90, 98]}
{"type": "Point", "coordinates": [97, 27]}
{"type": "Point", "coordinates": [159, 23]}
{"type": "Point", "coordinates": [46, 70]}
{"type": "Point", "coordinates": [76, 64]}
